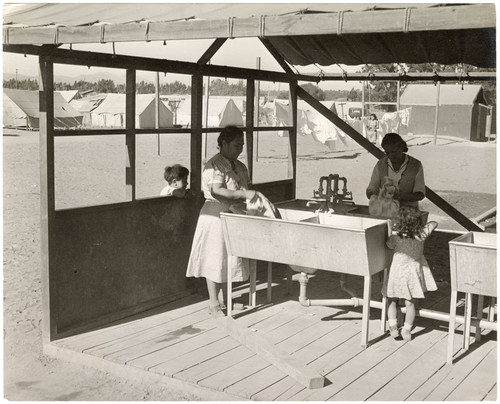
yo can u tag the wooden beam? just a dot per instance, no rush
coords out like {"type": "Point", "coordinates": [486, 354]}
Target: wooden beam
{"type": "Point", "coordinates": [83, 58]}
{"type": "Point", "coordinates": [357, 137]}
{"type": "Point", "coordinates": [47, 200]}
{"type": "Point", "coordinates": [412, 19]}
{"type": "Point", "coordinates": [423, 76]}
{"type": "Point", "coordinates": [211, 51]}
{"type": "Point", "coordinates": [458, 216]}
{"type": "Point", "coordinates": [272, 50]}
{"type": "Point", "coordinates": [272, 354]}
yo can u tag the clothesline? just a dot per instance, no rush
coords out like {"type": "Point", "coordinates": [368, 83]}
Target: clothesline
{"type": "Point", "coordinates": [311, 122]}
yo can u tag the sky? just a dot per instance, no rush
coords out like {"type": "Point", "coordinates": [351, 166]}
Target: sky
{"type": "Point", "coordinates": [241, 52]}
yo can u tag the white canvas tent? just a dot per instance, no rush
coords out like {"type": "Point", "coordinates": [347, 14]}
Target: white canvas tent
{"type": "Point", "coordinates": [111, 112]}
{"type": "Point", "coordinates": [222, 111]}
{"type": "Point", "coordinates": [86, 105]}
{"type": "Point", "coordinates": [69, 95]}
{"type": "Point", "coordinates": [65, 116]}
{"type": "Point", "coordinates": [13, 115]}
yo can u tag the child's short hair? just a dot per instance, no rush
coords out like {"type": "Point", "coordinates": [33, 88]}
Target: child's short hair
{"type": "Point", "coordinates": [409, 223]}
{"type": "Point", "coordinates": [175, 172]}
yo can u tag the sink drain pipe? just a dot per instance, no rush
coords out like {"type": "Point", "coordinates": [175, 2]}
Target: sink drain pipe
{"type": "Point", "coordinates": [356, 301]}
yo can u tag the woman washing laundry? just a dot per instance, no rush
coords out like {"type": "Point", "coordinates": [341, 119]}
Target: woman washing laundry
{"type": "Point", "coordinates": [225, 184]}
{"type": "Point", "coordinates": [406, 171]}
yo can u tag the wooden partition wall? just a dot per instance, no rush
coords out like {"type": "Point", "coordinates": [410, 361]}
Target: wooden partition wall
{"type": "Point", "coordinates": [103, 263]}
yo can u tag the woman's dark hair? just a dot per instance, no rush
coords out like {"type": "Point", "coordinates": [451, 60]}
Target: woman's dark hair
{"type": "Point", "coordinates": [175, 172]}
{"type": "Point", "coordinates": [391, 139]}
{"type": "Point", "coordinates": [228, 134]}
{"type": "Point", "coordinates": [375, 116]}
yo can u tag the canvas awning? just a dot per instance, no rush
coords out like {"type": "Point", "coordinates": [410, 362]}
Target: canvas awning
{"type": "Point", "coordinates": [302, 34]}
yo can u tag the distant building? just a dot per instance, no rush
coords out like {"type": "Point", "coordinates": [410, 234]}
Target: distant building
{"type": "Point", "coordinates": [462, 110]}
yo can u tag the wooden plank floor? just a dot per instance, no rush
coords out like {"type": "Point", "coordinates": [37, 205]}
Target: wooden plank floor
{"type": "Point", "coordinates": [181, 342]}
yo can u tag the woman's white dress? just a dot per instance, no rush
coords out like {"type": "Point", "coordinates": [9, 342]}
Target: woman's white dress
{"type": "Point", "coordinates": [208, 258]}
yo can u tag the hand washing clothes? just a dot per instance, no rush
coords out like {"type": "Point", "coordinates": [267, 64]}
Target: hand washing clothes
{"type": "Point", "coordinates": [410, 275]}
{"type": "Point", "coordinates": [208, 258]}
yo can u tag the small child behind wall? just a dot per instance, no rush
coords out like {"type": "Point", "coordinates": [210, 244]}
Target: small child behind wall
{"type": "Point", "coordinates": [176, 177]}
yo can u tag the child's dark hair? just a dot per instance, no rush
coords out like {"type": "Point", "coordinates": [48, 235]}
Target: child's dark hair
{"type": "Point", "coordinates": [409, 223]}
{"type": "Point", "coordinates": [228, 134]}
{"type": "Point", "coordinates": [175, 172]}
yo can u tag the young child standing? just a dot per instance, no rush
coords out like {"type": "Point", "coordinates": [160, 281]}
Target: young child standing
{"type": "Point", "coordinates": [410, 275]}
{"type": "Point", "coordinates": [176, 177]}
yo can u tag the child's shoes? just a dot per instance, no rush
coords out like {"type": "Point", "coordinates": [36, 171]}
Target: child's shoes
{"type": "Point", "coordinates": [406, 334]}
{"type": "Point", "coordinates": [393, 330]}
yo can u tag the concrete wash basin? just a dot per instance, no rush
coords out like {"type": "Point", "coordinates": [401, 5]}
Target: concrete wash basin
{"type": "Point", "coordinates": [329, 242]}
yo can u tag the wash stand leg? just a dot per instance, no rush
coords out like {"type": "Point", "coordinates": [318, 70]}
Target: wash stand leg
{"type": "Point", "coordinates": [252, 298]}
{"type": "Point", "coordinates": [451, 327]}
{"type": "Point", "coordinates": [229, 288]}
{"type": "Point", "coordinates": [289, 276]}
{"type": "Point", "coordinates": [269, 281]}
{"type": "Point", "coordinates": [383, 315]}
{"type": "Point", "coordinates": [479, 314]}
{"type": "Point", "coordinates": [467, 320]}
{"type": "Point", "coordinates": [365, 322]}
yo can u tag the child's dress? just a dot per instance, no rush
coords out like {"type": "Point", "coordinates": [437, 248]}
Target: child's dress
{"type": "Point", "coordinates": [410, 275]}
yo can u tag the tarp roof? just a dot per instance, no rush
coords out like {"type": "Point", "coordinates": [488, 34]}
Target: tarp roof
{"type": "Point", "coordinates": [88, 104]}
{"type": "Point", "coordinates": [449, 94]}
{"type": "Point", "coordinates": [303, 34]}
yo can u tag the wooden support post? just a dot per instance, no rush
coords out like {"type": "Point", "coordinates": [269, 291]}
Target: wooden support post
{"type": "Point", "coordinates": [157, 109]}
{"type": "Point", "coordinates": [130, 134]}
{"type": "Point", "coordinates": [196, 133]}
{"type": "Point", "coordinates": [250, 112]}
{"type": "Point", "coordinates": [436, 116]}
{"type": "Point", "coordinates": [292, 138]}
{"type": "Point", "coordinates": [272, 354]}
{"type": "Point", "coordinates": [47, 198]}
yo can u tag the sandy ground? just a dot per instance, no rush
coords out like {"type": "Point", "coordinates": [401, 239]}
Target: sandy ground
{"type": "Point", "coordinates": [463, 173]}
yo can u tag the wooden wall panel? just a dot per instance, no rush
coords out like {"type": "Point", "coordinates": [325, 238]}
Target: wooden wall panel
{"type": "Point", "coordinates": [119, 259]}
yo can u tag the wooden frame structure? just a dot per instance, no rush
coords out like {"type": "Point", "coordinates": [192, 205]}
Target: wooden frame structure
{"type": "Point", "coordinates": [104, 287]}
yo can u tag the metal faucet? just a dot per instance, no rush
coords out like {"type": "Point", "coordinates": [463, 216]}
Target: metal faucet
{"type": "Point", "coordinates": [332, 198]}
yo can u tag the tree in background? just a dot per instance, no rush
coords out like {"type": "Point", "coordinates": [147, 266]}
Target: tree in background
{"type": "Point", "coordinates": [315, 91]}
{"type": "Point", "coordinates": [21, 84]}
{"type": "Point", "coordinates": [387, 91]}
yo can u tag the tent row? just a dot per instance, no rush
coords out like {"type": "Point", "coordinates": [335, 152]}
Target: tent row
{"type": "Point", "coordinates": [462, 113]}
